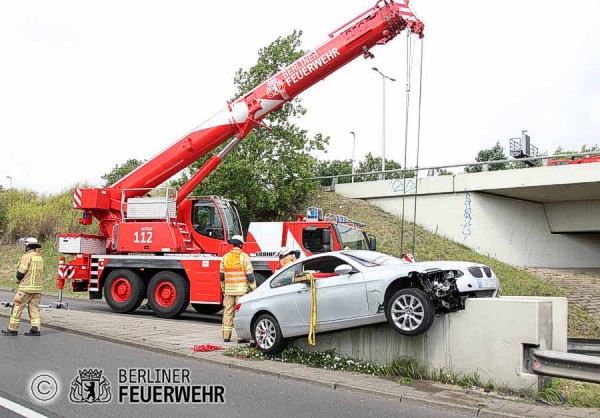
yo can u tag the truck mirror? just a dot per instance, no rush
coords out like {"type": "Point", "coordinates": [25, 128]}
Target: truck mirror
{"type": "Point", "coordinates": [372, 243]}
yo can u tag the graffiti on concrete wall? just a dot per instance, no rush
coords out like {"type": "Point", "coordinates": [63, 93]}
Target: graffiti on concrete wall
{"type": "Point", "coordinates": [468, 216]}
{"type": "Point", "coordinates": [397, 186]}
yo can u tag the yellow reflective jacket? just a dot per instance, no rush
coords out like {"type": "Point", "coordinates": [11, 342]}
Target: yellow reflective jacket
{"type": "Point", "coordinates": [235, 265]}
{"type": "Point", "coordinates": [32, 266]}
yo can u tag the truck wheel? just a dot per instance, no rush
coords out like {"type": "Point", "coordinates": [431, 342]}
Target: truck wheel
{"type": "Point", "coordinates": [168, 294]}
{"type": "Point", "coordinates": [124, 290]}
{"type": "Point", "coordinates": [260, 277]}
{"type": "Point", "coordinates": [410, 311]}
{"type": "Point", "coordinates": [206, 308]}
{"type": "Point", "coordinates": [266, 333]}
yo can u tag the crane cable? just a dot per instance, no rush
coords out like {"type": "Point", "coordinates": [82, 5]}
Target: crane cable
{"type": "Point", "coordinates": [418, 149]}
{"type": "Point", "coordinates": [409, 57]}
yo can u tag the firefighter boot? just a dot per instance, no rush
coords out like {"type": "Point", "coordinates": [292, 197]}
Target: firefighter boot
{"type": "Point", "coordinates": [9, 333]}
{"type": "Point", "coordinates": [33, 332]}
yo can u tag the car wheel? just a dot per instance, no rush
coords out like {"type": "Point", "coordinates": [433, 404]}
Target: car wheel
{"type": "Point", "coordinates": [168, 294]}
{"type": "Point", "coordinates": [206, 308]}
{"type": "Point", "coordinates": [410, 312]}
{"type": "Point", "coordinates": [267, 334]}
{"type": "Point", "coordinates": [124, 290]}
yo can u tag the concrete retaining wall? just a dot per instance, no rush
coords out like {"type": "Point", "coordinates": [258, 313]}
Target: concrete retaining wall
{"type": "Point", "coordinates": [487, 337]}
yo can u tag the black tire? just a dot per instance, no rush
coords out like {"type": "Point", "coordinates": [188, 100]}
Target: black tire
{"type": "Point", "coordinates": [168, 294]}
{"type": "Point", "coordinates": [124, 290]}
{"type": "Point", "coordinates": [260, 277]}
{"type": "Point", "coordinates": [416, 304]}
{"type": "Point", "coordinates": [206, 308]}
{"type": "Point", "coordinates": [273, 345]}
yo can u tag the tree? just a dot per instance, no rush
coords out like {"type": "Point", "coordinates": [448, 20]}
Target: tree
{"type": "Point", "coordinates": [333, 168]}
{"type": "Point", "coordinates": [493, 154]}
{"type": "Point", "coordinates": [121, 170]}
{"type": "Point", "coordinates": [371, 163]}
{"type": "Point", "coordinates": [584, 149]}
{"type": "Point", "coordinates": [261, 173]}
{"type": "Point", "coordinates": [444, 172]}
{"type": "Point", "coordinates": [3, 212]}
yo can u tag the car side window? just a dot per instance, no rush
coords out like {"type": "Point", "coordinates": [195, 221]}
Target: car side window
{"type": "Point", "coordinates": [286, 277]}
{"type": "Point", "coordinates": [322, 267]}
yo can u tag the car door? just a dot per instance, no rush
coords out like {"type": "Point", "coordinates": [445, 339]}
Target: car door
{"type": "Point", "coordinates": [339, 297]}
{"type": "Point", "coordinates": [281, 301]}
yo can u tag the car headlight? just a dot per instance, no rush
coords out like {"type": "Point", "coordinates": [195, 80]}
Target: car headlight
{"type": "Point", "coordinates": [453, 274]}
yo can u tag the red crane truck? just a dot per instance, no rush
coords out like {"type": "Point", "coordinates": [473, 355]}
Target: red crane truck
{"type": "Point", "coordinates": [157, 243]}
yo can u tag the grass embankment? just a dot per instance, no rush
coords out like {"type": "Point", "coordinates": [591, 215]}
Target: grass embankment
{"type": "Point", "coordinates": [429, 246]}
{"type": "Point", "coordinates": [405, 371]}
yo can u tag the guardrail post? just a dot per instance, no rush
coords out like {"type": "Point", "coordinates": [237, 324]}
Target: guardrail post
{"type": "Point", "coordinates": [485, 167]}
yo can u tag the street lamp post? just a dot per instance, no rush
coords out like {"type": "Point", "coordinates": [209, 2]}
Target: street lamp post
{"type": "Point", "coordinates": [353, 151]}
{"type": "Point", "coordinates": [383, 78]}
{"type": "Point", "coordinates": [9, 182]}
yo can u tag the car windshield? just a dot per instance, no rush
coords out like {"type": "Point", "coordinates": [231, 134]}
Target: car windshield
{"type": "Point", "coordinates": [352, 239]}
{"type": "Point", "coordinates": [369, 258]}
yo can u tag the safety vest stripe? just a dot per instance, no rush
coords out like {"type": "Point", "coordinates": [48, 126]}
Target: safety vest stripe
{"type": "Point", "coordinates": [241, 285]}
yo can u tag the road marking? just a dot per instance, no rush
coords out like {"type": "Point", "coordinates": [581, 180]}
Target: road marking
{"type": "Point", "coordinates": [19, 409]}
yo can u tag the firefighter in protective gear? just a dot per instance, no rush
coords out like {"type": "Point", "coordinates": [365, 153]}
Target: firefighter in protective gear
{"type": "Point", "coordinates": [237, 279]}
{"type": "Point", "coordinates": [29, 293]}
{"type": "Point", "coordinates": [286, 256]}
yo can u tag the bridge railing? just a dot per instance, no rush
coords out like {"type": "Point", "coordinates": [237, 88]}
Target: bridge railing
{"type": "Point", "coordinates": [432, 170]}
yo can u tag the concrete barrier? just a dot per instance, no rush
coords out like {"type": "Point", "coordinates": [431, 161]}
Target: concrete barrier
{"type": "Point", "coordinates": [488, 337]}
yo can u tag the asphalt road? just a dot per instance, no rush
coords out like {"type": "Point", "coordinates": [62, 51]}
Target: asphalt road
{"type": "Point", "coordinates": [61, 355]}
{"type": "Point", "coordinates": [101, 306]}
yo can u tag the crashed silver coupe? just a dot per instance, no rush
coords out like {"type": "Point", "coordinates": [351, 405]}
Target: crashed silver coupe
{"type": "Point", "coordinates": [356, 288]}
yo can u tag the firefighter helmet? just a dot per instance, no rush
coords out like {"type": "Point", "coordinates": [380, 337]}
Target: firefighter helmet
{"type": "Point", "coordinates": [284, 252]}
{"type": "Point", "coordinates": [236, 241]}
{"type": "Point", "coordinates": [30, 242]}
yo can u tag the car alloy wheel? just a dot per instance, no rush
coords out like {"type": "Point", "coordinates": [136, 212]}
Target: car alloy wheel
{"type": "Point", "coordinates": [408, 312]}
{"type": "Point", "coordinates": [266, 334]}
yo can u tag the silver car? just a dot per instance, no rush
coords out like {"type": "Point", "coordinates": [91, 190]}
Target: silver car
{"type": "Point", "coordinates": [356, 288]}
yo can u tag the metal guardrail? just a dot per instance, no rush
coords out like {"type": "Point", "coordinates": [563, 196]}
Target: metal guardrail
{"type": "Point", "coordinates": [586, 346]}
{"type": "Point", "coordinates": [565, 365]}
{"type": "Point", "coordinates": [483, 164]}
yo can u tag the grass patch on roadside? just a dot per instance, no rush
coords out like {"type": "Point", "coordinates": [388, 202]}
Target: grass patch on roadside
{"type": "Point", "coordinates": [429, 247]}
{"type": "Point", "coordinates": [572, 393]}
{"type": "Point", "coordinates": [405, 370]}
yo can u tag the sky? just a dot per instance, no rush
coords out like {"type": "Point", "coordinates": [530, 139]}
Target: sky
{"type": "Point", "coordinates": [87, 85]}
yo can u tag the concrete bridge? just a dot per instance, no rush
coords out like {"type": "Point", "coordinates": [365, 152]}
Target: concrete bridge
{"type": "Point", "coordinates": [534, 217]}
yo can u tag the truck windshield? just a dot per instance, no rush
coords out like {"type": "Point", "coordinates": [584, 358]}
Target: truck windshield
{"type": "Point", "coordinates": [232, 220]}
{"type": "Point", "coordinates": [352, 239]}
{"type": "Point", "coordinates": [206, 219]}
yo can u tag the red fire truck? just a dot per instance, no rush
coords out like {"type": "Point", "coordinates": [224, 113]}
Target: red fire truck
{"type": "Point", "coordinates": [585, 160]}
{"type": "Point", "coordinates": [157, 243]}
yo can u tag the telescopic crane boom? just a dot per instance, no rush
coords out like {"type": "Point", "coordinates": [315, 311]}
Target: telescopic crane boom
{"type": "Point", "coordinates": [376, 26]}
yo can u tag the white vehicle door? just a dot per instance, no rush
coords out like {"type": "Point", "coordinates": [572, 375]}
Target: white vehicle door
{"type": "Point", "coordinates": [281, 301]}
{"type": "Point", "coordinates": [339, 297]}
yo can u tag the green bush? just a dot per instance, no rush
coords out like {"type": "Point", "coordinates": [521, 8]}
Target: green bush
{"type": "Point", "coordinates": [24, 213]}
